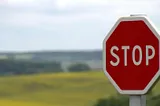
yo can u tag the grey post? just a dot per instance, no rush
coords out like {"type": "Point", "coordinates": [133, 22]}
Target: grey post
{"type": "Point", "coordinates": [137, 100]}
{"type": "Point", "coordinates": [143, 100]}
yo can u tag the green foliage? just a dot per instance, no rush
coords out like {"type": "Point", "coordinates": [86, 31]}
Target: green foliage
{"type": "Point", "coordinates": [154, 100]}
{"type": "Point", "coordinates": [78, 67]}
{"type": "Point", "coordinates": [27, 67]}
{"type": "Point", "coordinates": [114, 101]}
{"type": "Point", "coordinates": [121, 100]}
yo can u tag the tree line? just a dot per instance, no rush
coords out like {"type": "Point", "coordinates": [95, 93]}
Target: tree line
{"type": "Point", "coordinates": [14, 67]}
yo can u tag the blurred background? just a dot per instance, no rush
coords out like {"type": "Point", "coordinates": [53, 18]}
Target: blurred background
{"type": "Point", "coordinates": [51, 51]}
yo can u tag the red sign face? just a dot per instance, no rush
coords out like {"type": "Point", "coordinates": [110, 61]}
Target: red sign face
{"type": "Point", "coordinates": [131, 55]}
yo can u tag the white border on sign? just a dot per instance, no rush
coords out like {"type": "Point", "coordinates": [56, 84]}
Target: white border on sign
{"type": "Point", "coordinates": [155, 32]}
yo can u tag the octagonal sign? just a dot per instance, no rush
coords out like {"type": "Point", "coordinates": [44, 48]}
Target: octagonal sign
{"type": "Point", "coordinates": [131, 55]}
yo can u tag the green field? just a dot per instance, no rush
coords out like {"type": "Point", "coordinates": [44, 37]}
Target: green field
{"type": "Point", "coordinates": [60, 89]}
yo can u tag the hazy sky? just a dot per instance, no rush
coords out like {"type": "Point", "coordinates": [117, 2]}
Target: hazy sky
{"type": "Point", "coordinates": [65, 24]}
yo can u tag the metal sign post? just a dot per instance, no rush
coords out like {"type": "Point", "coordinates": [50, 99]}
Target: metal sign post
{"type": "Point", "coordinates": [143, 100]}
{"type": "Point", "coordinates": [137, 100]}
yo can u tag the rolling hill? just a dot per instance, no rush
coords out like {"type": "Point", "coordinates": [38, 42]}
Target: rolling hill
{"type": "Point", "coordinates": [54, 55]}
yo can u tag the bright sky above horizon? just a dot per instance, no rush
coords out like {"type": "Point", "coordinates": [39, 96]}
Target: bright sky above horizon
{"type": "Point", "coordinates": [27, 25]}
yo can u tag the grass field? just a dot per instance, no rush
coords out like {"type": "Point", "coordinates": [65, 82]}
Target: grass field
{"type": "Point", "coordinates": [60, 89]}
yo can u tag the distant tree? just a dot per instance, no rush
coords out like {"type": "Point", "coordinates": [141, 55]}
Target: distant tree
{"type": "Point", "coordinates": [15, 67]}
{"type": "Point", "coordinates": [78, 67]}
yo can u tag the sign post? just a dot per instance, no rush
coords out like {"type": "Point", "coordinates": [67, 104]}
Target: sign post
{"type": "Point", "coordinates": [131, 57]}
{"type": "Point", "coordinates": [137, 100]}
{"type": "Point", "coordinates": [143, 99]}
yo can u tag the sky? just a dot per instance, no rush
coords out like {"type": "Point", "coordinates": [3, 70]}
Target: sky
{"type": "Point", "coordinates": [35, 25]}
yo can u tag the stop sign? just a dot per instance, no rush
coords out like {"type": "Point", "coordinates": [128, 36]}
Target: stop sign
{"type": "Point", "coordinates": [131, 55]}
